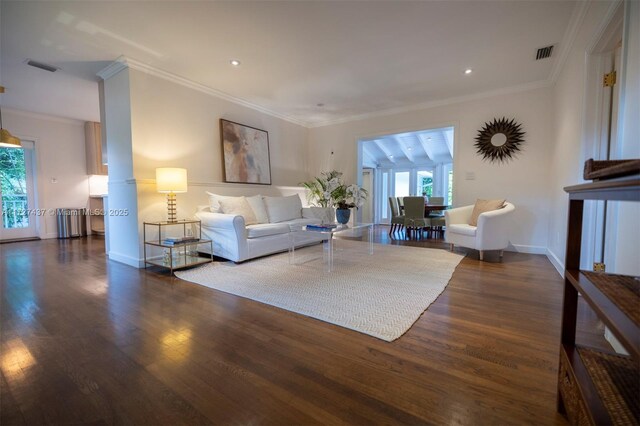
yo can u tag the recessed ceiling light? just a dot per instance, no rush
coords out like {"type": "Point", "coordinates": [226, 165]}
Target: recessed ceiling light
{"type": "Point", "coordinates": [234, 62]}
{"type": "Point", "coordinates": [429, 138]}
{"type": "Point", "coordinates": [409, 148]}
{"type": "Point", "coordinates": [391, 156]}
{"type": "Point", "coordinates": [468, 71]}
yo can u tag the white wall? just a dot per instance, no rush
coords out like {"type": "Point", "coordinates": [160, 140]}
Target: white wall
{"type": "Point", "coordinates": [523, 181]}
{"type": "Point", "coordinates": [173, 125]}
{"type": "Point", "coordinates": [572, 139]}
{"type": "Point", "coordinates": [59, 155]}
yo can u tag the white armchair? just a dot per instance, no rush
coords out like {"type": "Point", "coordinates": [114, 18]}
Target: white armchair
{"type": "Point", "coordinates": [492, 232]}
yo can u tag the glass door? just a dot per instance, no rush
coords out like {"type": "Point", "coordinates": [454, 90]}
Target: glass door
{"type": "Point", "coordinates": [16, 192]}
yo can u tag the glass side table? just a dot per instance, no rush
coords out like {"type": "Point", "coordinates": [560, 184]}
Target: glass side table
{"type": "Point", "coordinates": [165, 249]}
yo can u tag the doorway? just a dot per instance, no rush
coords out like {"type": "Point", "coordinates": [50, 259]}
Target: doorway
{"type": "Point", "coordinates": [17, 195]}
{"type": "Point", "coordinates": [408, 163]}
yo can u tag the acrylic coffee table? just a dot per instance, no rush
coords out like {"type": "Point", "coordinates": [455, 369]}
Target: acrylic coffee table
{"type": "Point", "coordinates": [351, 230]}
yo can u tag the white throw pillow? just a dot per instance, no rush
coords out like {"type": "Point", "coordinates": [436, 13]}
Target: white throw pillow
{"type": "Point", "coordinates": [281, 209]}
{"type": "Point", "coordinates": [214, 201]}
{"type": "Point", "coordinates": [257, 204]}
{"type": "Point", "coordinates": [238, 206]}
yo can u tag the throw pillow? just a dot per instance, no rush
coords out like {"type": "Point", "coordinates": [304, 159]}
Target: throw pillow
{"type": "Point", "coordinates": [281, 209]}
{"type": "Point", "coordinates": [214, 201]}
{"type": "Point", "coordinates": [257, 204]}
{"type": "Point", "coordinates": [238, 206]}
{"type": "Point", "coordinates": [483, 206]}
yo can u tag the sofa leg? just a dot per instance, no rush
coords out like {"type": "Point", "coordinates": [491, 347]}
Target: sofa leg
{"type": "Point", "coordinates": [501, 253]}
{"type": "Point", "coordinates": [451, 247]}
{"type": "Point", "coordinates": [481, 255]}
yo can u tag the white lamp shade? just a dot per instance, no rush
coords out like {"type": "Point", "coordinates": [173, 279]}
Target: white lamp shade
{"type": "Point", "coordinates": [171, 179]}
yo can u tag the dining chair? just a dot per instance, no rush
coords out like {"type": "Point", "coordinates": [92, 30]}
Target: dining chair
{"type": "Point", "coordinates": [397, 220]}
{"type": "Point", "coordinates": [436, 217]}
{"type": "Point", "coordinates": [414, 214]}
{"type": "Point", "coordinates": [400, 205]}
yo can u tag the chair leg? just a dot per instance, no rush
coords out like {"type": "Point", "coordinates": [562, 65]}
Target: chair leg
{"type": "Point", "coordinates": [481, 255]}
{"type": "Point", "coordinates": [451, 247]}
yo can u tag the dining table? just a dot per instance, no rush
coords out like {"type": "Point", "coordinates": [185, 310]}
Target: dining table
{"type": "Point", "coordinates": [428, 208]}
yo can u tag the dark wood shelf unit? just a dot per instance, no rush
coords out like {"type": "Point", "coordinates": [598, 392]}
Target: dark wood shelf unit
{"type": "Point", "coordinates": [623, 327]}
{"type": "Point", "coordinates": [581, 394]}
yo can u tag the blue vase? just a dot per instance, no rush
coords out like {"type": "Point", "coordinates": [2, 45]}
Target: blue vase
{"type": "Point", "coordinates": [343, 215]}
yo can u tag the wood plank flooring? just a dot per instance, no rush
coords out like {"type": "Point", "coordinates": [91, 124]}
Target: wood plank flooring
{"type": "Point", "coordinates": [85, 340]}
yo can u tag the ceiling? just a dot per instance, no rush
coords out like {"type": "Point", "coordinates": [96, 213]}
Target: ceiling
{"type": "Point", "coordinates": [422, 148]}
{"type": "Point", "coordinates": [354, 57]}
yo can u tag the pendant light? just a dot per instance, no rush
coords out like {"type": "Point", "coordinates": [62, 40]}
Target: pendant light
{"type": "Point", "coordinates": [7, 140]}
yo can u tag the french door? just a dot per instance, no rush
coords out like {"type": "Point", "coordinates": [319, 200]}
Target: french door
{"type": "Point", "coordinates": [17, 192]}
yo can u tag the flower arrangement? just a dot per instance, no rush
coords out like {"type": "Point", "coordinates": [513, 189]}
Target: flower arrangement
{"type": "Point", "coordinates": [329, 190]}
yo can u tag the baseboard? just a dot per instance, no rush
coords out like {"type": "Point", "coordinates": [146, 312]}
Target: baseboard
{"type": "Point", "coordinates": [49, 236]}
{"type": "Point", "coordinates": [520, 248]}
{"type": "Point", "coordinates": [127, 260]}
{"type": "Point", "coordinates": [555, 262]}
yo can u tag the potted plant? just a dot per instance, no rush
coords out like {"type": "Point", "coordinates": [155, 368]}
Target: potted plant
{"type": "Point", "coordinates": [329, 190]}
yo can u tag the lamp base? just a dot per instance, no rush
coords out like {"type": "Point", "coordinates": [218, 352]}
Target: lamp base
{"type": "Point", "coordinates": [171, 207]}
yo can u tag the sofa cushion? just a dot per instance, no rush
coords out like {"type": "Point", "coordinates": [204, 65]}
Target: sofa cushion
{"type": "Point", "coordinates": [238, 206]}
{"type": "Point", "coordinates": [266, 229]}
{"type": "Point", "coordinates": [257, 204]}
{"type": "Point", "coordinates": [462, 228]}
{"type": "Point", "coordinates": [483, 206]}
{"type": "Point", "coordinates": [214, 201]}
{"type": "Point", "coordinates": [281, 209]}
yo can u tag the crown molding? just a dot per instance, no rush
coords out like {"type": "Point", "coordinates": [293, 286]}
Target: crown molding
{"type": "Point", "coordinates": [40, 116]}
{"type": "Point", "coordinates": [432, 104]}
{"type": "Point", "coordinates": [123, 62]}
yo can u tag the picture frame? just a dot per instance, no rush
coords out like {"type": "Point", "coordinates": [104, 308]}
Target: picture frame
{"type": "Point", "coordinates": [245, 153]}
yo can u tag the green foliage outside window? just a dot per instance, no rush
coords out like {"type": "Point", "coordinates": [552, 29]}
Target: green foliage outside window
{"type": "Point", "coordinates": [14, 187]}
{"type": "Point", "coordinates": [426, 186]}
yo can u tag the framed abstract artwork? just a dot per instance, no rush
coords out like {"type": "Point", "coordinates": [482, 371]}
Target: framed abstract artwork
{"type": "Point", "coordinates": [245, 152]}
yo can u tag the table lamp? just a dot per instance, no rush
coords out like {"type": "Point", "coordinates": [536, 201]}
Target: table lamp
{"type": "Point", "coordinates": [170, 181]}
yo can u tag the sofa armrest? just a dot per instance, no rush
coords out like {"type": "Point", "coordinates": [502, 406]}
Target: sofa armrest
{"type": "Point", "coordinates": [458, 215]}
{"type": "Point", "coordinates": [228, 233]}
{"type": "Point", "coordinates": [494, 228]}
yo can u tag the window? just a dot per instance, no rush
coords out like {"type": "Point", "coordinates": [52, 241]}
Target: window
{"type": "Point", "coordinates": [385, 195]}
{"type": "Point", "coordinates": [402, 184]}
{"type": "Point", "coordinates": [424, 183]}
{"type": "Point", "coordinates": [13, 188]}
{"type": "Point", "coordinates": [450, 188]}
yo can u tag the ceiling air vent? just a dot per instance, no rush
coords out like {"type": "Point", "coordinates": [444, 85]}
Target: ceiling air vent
{"type": "Point", "coordinates": [41, 65]}
{"type": "Point", "coordinates": [544, 52]}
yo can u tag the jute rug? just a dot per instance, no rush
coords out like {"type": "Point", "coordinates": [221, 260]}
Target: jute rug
{"type": "Point", "coordinates": [381, 295]}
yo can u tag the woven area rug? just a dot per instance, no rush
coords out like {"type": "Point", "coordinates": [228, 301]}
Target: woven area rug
{"type": "Point", "coordinates": [381, 295]}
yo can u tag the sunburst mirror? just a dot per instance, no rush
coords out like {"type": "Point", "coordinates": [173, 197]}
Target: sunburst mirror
{"type": "Point", "coordinates": [499, 140]}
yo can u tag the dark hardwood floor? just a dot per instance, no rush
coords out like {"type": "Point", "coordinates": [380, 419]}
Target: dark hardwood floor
{"type": "Point", "coordinates": [90, 341]}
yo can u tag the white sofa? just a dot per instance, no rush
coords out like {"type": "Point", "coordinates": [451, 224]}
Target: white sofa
{"type": "Point", "coordinates": [236, 241]}
{"type": "Point", "coordinates": [492, 232]}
